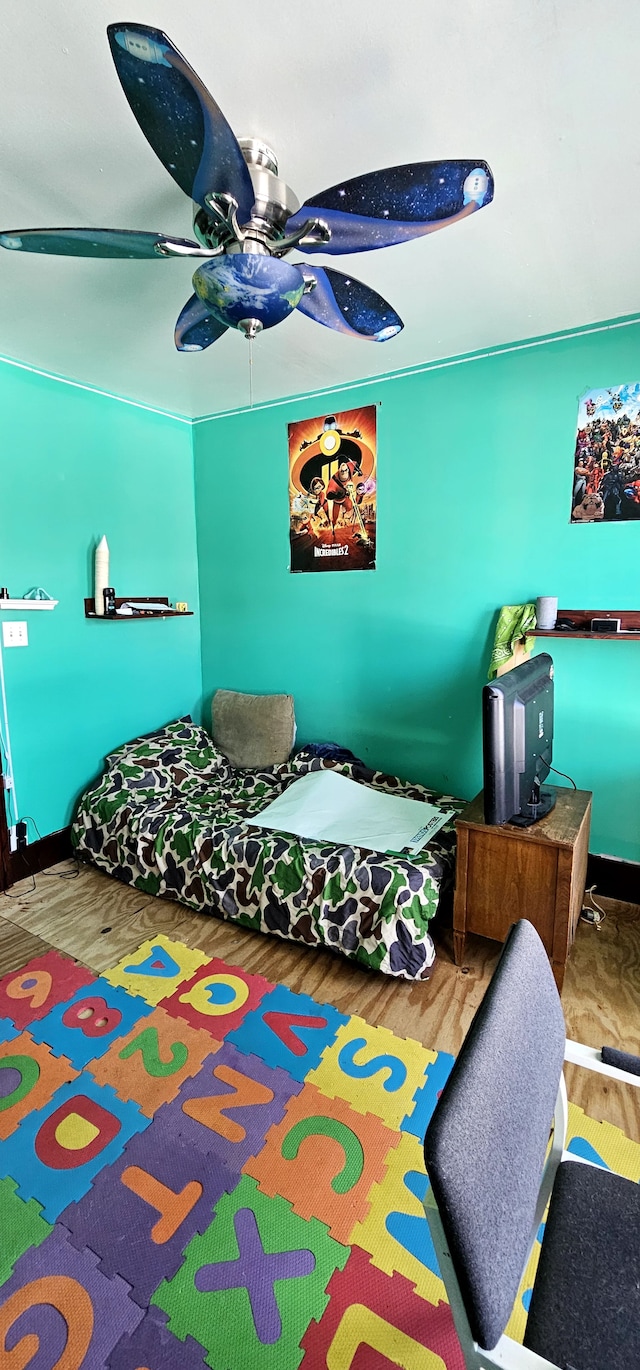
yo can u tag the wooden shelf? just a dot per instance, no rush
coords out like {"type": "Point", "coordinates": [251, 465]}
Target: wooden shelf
{"type": "Point", "coordinates": [629, 625]}
{"type": "Point", "coordinates": [90, 610]}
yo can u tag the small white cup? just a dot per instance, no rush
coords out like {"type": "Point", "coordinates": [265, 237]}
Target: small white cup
{"type": "Point", "coordinates": [546, 613]}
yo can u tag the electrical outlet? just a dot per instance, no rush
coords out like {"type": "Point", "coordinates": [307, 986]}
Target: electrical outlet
{"type": "Point", "coordinates": [14, 634]}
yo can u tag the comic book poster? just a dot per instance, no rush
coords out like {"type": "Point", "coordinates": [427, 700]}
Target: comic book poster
{"type": "Point", "coordinates": [332, 492]}
{"type": "Point", "coordinates": [606, 469]}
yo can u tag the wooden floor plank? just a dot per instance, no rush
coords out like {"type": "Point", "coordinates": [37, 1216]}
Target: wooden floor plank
{"type": "Point", "coordinates": [98, 920]}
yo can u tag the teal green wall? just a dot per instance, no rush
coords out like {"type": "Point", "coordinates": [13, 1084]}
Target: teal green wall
{"type": "Point", "coordinates": [475, 473]}
{"type": "Point", "coordinates": [73, 465]}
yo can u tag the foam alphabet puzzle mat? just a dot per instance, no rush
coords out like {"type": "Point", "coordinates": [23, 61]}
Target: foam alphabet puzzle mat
{"type": "Point", "coordinates": [201, 1168]}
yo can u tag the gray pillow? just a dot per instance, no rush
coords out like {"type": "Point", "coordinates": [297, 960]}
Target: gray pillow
{"type": "Point", "coordinates": [253, 731]}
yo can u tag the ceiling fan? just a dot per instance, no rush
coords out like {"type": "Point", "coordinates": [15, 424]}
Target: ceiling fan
{"type": "Point", "coordinates": [247, 220]}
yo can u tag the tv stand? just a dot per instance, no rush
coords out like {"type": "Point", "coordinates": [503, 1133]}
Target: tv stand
{"type": "Point", "coordinates": [535, 811]}
{"type": "Point", "coordinates": [506, 873]}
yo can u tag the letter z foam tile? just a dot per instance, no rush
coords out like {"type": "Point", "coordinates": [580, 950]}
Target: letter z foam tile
{"type": "Point", "coordinates": [156, 969]}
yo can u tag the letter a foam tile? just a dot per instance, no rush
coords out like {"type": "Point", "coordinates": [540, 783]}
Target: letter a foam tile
{"type": "Point", "coordinates": [29, 1076]}
{"type": "Point", "coordinates": [56, 1294]}
{"type": "Point", "coordinates": [56, 1151]}
{"type": "Point", "coordinates": [217, 997]}
{"type": "Point", "coordinates": [324, 1157]}
{"type": "Point", "coordinates": [373, 1070]}
{"type": "Point", "coordinates": [30, 993]}
{"type": "Point", "coordinates": [395, 1231]}
{"type": "Point", "coordinates": [151, 1063]}
{"type": "Point", "coordinates": [250, 1286]}
{"type": "Point", "coordinates": [374, 1318]}
{"type": "Point", "coordinates": [156, 969]}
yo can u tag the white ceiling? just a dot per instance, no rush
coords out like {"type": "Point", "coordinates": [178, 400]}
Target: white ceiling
{"type": "Point", "coordinates": [547, 91]}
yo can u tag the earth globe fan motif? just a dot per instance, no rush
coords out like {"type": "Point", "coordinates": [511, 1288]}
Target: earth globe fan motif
{"type": "Point", "coordinates": [246, 219]}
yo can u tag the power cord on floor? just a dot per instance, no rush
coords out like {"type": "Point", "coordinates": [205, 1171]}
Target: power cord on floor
{"type": "Point", "coordinates": [592, 913]}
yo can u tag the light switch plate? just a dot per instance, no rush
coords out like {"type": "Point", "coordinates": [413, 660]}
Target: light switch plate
{"type": "Point", "coordinates": [14, 634]}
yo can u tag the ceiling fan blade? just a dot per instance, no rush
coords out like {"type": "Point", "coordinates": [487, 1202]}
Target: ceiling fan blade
{"type": "Point", "coordinates": [394, 205]}
{"type": "Point", "coordinates": [349, 306]}
{"type": "Point", "coordinates": [98, 242]}
{"type": "Point", "coordinates": [178, 116]}
{"type": "Point", "coordinates": [196, 327]}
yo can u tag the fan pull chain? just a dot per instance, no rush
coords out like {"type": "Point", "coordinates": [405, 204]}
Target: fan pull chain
{"type": "Point", "coordinates": [251, 373]}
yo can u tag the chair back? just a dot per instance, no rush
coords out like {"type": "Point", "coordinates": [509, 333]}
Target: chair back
{"type": "Point", "coordinates": [486, 1143]}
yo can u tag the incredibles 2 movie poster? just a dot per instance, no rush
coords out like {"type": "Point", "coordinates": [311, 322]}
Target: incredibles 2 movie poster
{"type": "Point", "coordinates": [332, 492]}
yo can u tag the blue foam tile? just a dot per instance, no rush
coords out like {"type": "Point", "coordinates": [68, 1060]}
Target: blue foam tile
{"type": "Point", "coordinates": [83, 1039]}
{"type": "Point", "coordinates": [288, 1030]}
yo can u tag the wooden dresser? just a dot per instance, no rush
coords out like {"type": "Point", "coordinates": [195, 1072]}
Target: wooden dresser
{"type": "Point", "coordinates": [506, 873]}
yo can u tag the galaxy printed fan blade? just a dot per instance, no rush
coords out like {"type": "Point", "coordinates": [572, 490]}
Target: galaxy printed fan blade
{"type": "Point", "coordinates": [392, 206]}
{"type": "Point", "coordinates": [196, 327]}
{"type": "Point", "coordinates": [98, 242]}
{"type": "Point", "coordinates": [347, 305]}
{"type": "Point", "coordinates": [178, 116]}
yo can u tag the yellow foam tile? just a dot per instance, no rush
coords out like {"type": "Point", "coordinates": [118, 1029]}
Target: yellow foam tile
{"type": "Point", "coordinates": [130, 975]}
{"type": "Point", "coordinates": [396, 1227]}
{"type": "Point", "coordinates": [373, 1070]}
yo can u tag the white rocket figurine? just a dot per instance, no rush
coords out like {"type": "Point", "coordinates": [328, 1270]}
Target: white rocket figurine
{"type": "Point", "coordinates": [101, 575]}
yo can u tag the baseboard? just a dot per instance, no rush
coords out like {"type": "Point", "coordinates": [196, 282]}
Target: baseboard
{"type": "Point", "coordinates": [614, 879]}
{"type": "Point", "coordinates": [37, 856]}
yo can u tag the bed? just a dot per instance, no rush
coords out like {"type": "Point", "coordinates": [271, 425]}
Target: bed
{"type": "Point", "coordinates": [169, 817]}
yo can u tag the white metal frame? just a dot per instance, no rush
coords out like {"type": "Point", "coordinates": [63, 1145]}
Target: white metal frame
{"type": "Point", "coordinates": [509, 1354]}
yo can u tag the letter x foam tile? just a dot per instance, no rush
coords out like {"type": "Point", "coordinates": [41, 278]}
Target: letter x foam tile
{"type": "Point", "coordinates": [151, 1063]}
{"type": "Point", "coordinates": [250, 1286]}
{"type": "Point", "coordinates": [56, 1294]}
{"type": "Point", "coordinates": [380, 1314]}
{"type": "Point", "coordinates": [156, 969]}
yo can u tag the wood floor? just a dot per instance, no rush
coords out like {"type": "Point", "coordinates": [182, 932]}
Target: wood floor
{"type": "Point", "coordinates": [97, 920]}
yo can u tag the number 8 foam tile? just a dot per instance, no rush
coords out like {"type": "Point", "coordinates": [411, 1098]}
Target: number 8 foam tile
{"type": "Point", "coordinates": [85, 1027]}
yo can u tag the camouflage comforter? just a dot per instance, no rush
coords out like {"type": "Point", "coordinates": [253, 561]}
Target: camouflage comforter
{"type": "Point", "coordinates": [168, 816]}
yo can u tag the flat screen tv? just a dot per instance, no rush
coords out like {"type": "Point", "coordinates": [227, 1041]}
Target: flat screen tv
{"type": "Point", "coordinates": [517, 735]}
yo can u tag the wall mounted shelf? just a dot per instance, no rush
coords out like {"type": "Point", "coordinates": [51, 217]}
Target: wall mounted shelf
{"type": "Point", "coordinates": [28, 604]}
{"type": "Point", "coordinates": [629, 624]}
{"type": "Point", "coordinates": [90, 610]}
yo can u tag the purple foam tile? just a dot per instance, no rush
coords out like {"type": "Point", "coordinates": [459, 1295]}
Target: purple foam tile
{"type": "Point", "coordinates": [98, 1307]}
{"type": "Point", "coordinates": [49, 1326]}
{"type": "Point", "coordinates": [116, 1219]}
{"type": "Point", "coordinates": [253, 1120]}
{"type": "Point", "coordinates": [152, 1344]}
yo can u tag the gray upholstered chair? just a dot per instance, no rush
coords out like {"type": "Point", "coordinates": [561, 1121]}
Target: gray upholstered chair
{"type": "Point", "coordinates": [492, 1173]}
